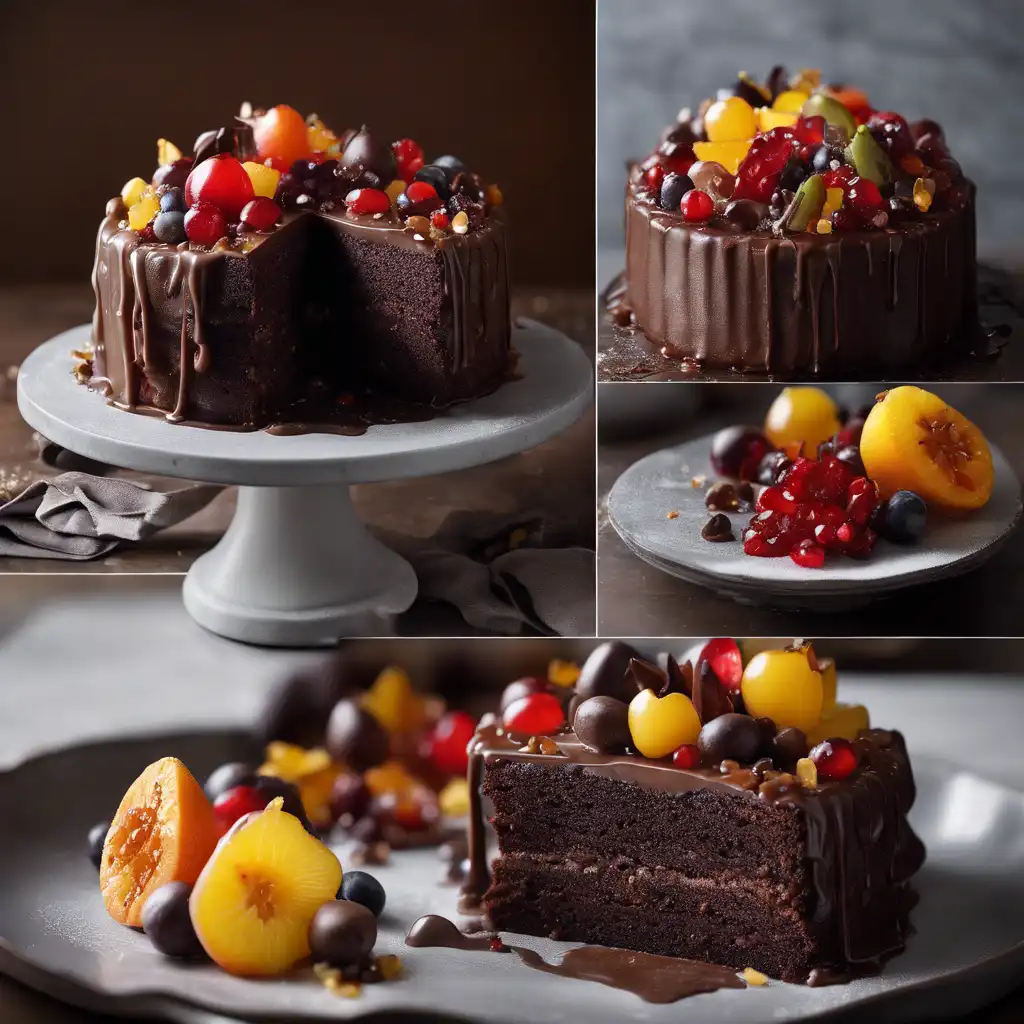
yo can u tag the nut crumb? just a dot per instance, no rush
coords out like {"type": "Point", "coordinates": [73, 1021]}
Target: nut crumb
{"type": "Point", "coordinates": [807, 773]}
{"type": "Point", "coordinates": [674, 514]}
{"type": "Point", "coordinates": [696, 482]}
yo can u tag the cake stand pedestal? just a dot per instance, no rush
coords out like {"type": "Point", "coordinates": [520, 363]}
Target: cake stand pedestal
{"type": "Point", "coordinates": [297, 567]}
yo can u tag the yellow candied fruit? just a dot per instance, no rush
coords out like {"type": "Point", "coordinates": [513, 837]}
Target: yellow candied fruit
{"type": "Point", "coordinates": [791, 101]}
{"type": "Point", "coordinates": [752, 977]}
{"type": "Point", "coordinates": [291, 762]}
{"type": "Point", "coordinates": [395, 189]}
{"type": "Point", "coordinates": [729, 154]}
{"type": "Point", "coordinates": [785, 687]}
{"type": "Point", "coordinates": [807, 773]}
{"type": "Point", "coordinates": [829, 684]}
{"type": "Point", "coordinates": [264, 179]}
{"type": "Point", "coordinates": [660, 725]}
{"type": "Point", "coordinates": [132, 191]}
{"type": "Point", "coordinates": [394, 703]}
{"type": "Point", "coordinates": [493, 196]}
{"type": "Point", "coordinates": [460, 223]}
{"type": "Point", "coordinates": [767, 119]}
{"type": "Point", "coordinates": [924, 192]}
{"type": "Point", "coordinates": [390, 777]}
{"type": "Point", "coordinates": [823, 227]}
{"type": "Point", "coordinates": [842, 721]}
{"type": "Point", "coordinates": [166, 152]}
{"type": "Point", "coordinates": [806, 80]}
{"type": "Point", "coordinates": [321, 138]}
{"type": "Point", "coordinates": [454, 798]}
{"type": "Point", "coordinates": [802, 415]}
{"type": "Point", "coordinates": [142, 212]}
{"type": "Point", "coordinates": [730, 120]}
{"type": "Point", "coordinates": [563, 673]}
{"type": "Point", "coordinates": [390, 966]}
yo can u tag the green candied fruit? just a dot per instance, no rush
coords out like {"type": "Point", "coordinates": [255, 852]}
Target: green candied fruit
{"type": "Point", "coordinates": [868, 158]}
{"type": "Point", "coordinates": [820, 105]}
{"type": "Point", "coordinates": [807, 204]}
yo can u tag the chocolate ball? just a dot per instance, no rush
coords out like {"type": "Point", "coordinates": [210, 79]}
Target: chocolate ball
{"type": "Point", "coordinates": [604, 672]}
{"type": "Point", "coordinates": [602, 723]}
{"type": "Point", "coordinates": [355, 737]}
{"type": "Point", "coordinates": [342, 933]}
{"type": "Point", "coordinates": [745, 214]}
{"type": "Point", "coordinates": [730, 737]}
{"type": "Point", "coordinates": [788, 746]}
{"type": "Point", "coordinates": [365, 152]}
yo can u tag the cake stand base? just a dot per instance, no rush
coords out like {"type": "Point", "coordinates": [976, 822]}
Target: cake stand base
{"type": "Point", "coordinates": [297, 567]}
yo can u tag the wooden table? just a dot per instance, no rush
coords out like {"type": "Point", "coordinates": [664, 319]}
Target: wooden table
{"type": "Point", "coordinates": [635, 599]}
{"type": "Point", "coordinates": [555, 479]}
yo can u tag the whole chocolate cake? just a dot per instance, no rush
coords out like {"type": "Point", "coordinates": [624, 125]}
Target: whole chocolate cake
{"type": "Point", "coordinates": [790, 228]}
{"type": "Point", "coordinates": [734, 815]}
{"type": "Point", "coordinates": [286, 277]}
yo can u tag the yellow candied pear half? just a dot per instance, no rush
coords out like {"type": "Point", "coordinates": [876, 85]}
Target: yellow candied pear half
{"type": "Point", "coordinates": [785, 686]}
{"type": "Point", "coordinates": [841, 721]}
{"type": "Point", "coordinates": [660, 725]}
{"type": "Point", "coordinates": [912, 440]}
{"type": "Point", "coordinates": [253, 904]}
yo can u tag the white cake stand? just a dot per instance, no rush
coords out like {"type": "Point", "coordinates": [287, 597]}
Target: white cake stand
{"type": "Point", "coordinates": [297, 567]}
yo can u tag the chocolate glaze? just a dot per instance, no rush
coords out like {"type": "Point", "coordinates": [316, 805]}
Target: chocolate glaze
{"type": "Point", "coordinates": [434, 930]}
{"type": "Point", "coordinates": [862, 850]}
{"type": "Point", "coordinates": [804, 303]}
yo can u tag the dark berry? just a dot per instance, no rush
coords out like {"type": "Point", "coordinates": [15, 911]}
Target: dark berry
{"type": "Point", "coordinates": [823, 158]}
{"type": "Point", "coordinates": [342, 933]}
{"type": "Point", "coordinates": [436, 176]}
{"type": "Point", "coordinates": [673, 188]}
{"type": "Point", "coordinates": [891, 132]}
{"type": "Point", "coordinates": [363, 888]}
{"type": "Point", "coordinates": [350, 798]}
{"type": "Point", "coordinates": [771, 467]}
{"type": "Point", "coordinates": [737, 452]}
{"type": "Point", "coordinates": [905, 518]}
{"type": "Point", "coordinates": [175, 174]}
{"type": "Point", "coordinates": [466, 183]}
{"type": "Point", "coordinates": [167, 923]}
{"type": "Point", "coordinates": [227, 776]}
{"type": "Point", "coordinates": [173, 200]}
{"type": "Point", "coordinates": [451, 165]}
{"type": "Point", "coordinates": [97, 837]}
{"type": "Point", "coordinates": [849, 455]}
{"type": "Point", "coordinates": [270, 786]}
{"type": "Point", "coordinates": [744, 214]}
{"type": "Point", "coordinates": [793, 173]}
{"type": "Point", "coordinates": [169, 227]}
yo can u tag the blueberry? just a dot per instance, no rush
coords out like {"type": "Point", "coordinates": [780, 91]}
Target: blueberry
{"type": "Point", "coordinates": [793, 173]}
{"type": "Point", "coordinates": [436, 176]}
{"type": "Point", "coordinates": [167, 923]}
{"type": "Point", "coordinates": [905, 518]}
{"type": "Point", "coordinates": [173, 200]}
{"type": "Point", "coordinates": [451, 165]}
{"type": "Point", "coordinates": [673, 188]}
{"type": "Point", "coordinates": [360, 887]}
{"type": "Point", "coordinates": [227, 776]}
{"type": "Point", "coordinates": [97, 837]}
{"type": "Point", "coordinates": [169, 227]}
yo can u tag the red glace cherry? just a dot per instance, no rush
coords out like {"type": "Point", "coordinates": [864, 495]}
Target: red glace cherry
{"type": "Point", "coordinates": [367, 200]}
{"type": "Point", "coordinates": [697, 206]}
{"type": "Point", "coordinates": [408, 158]}
{"type": "Point", "coordinates": [535, 715]}
{"type": "Point", "coordinates": [260, 214]}
{"type": "Point", "coordinates": [232, 804]}
{"type": "Point", "coordinates": [838, 177]}
{"type": "Point", "coordinates": [205, 224]}
{"type": "Point", "coordinates": [808, 555]}
{"type": "Point", "coordinates": [654, 176]}
{"type": "Point", "coordinates": [440, 220]}
{"type": "Point", "coordinates": [220, 180]}
{"type": "Point", "coordinates": [421, 192]}
{"type": "Point", "coordinates": [687, 756]}
{"type": "Point", "coordinates": [447, 743]}
{"type": "Point", "coordinates": [834, 759]}
{"type": "Point", "coordinates": [722, 653]}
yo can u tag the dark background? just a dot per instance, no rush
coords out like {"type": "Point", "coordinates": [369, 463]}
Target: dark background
{"type": "Point", "coordinates": [89, 87]}
{"type": "Point", "coordinates": [959, 63]}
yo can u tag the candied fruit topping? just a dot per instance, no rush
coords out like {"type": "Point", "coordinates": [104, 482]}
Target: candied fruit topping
{"type": "Point", "coordinates": [660, 725]}
{"type": "Point", "coordinates": [143, 212]}
{"type": "Point", "coordinates": [367, 201]}
{"type": "Point", "coordinates": [729, 120]}
{"type": "Point", "coordinates": [834, 758]}
{"type": "Point", "coordinates": [697, 206]}
{"type": "Point", "coordinates": [205, 224]}
{"type": "Point", "coordinates": [132, 191]}
{"type": "Point", "coordinates": [264, 179]}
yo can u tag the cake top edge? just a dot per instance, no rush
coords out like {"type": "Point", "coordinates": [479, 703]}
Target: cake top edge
{"type": "Point", "coordinates": [792, 155]}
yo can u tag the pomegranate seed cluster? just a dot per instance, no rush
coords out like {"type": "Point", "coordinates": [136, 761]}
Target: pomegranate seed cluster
{"type": "Point", "coordinates": [792, 156]}
{"type": "Point", "coordinates": [241, 181]}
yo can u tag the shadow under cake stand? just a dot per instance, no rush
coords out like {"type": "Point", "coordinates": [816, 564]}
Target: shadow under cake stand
{"type": "Point", "coordinates": [297, 567]}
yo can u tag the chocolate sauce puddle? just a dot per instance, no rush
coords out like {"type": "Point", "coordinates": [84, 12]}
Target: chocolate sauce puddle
{"type": "Point", "coordinates": [433, 930]}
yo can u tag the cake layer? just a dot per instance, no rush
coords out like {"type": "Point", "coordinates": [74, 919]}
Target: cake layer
{"type": "Point", "coordinates": [804, 303]}
{"type": "Point", "coordinates": [620, 903]}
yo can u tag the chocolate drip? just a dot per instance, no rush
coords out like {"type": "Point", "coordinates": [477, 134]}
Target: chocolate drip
{"type": "Point", "coordinates": [434, 930]}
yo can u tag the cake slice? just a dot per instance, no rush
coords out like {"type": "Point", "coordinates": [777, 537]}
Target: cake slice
{"type": "Point", "coordinates": [733, 844]}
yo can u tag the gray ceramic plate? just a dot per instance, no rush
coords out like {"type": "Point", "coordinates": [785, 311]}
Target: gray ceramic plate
{"type": "Point", "coordinates": [55, 935]}
{"type": "Point", "coordinates": [644, 494]}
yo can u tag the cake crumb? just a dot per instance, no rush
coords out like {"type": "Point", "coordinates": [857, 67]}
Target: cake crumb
{"type": "Point", "coordinates": [807, 773]}
{"type": "Point", "coordinates": [752, 977]}
{"type": "Point", "coordinates": [390, 966]}
{"type": "Point", "coordinates": [674, 514]}
{"type": "Point", "coordinates": [696, 482]}
{"type": "Point", "coordinates": [332, 980]}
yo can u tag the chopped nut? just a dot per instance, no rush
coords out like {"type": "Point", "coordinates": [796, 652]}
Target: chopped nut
{"type": "Point", "coordinates": [728, 765]}
{"type": "Point", "coordinates": [696, 482]}
{"type": "Point", "coordinates": [493, 196]}
{"type": "Point", "coordinates": [540, 745]}
{"type": "Point", "coordinates": [563, 673]}
{"type": "Point", "coordinates": [807, 773]}
{"type": "Point", "coordinates": [460, 223]}
{"type": "Point", "coordinates": [674, 514]}
{"type": "Point", "coordinates": [752, 977]}
{"type": "Point", "coordinates": [419, 226]}
{"type": "Point", "coordinates": [390, 966]}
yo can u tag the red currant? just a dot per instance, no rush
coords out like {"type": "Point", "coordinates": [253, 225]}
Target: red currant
{"type": "Point", "coordinates": [367, 200]}
{"type": "Point", "coordinates": [838, 177]}
{"type": "Point", "coordinates": [697, 206]}
{"type": "Point", "coordinates": [654, 176]}
{"type": "Point", "coordinates": [808, 555]}
{"type": "Point", "coordinates": [222, 181]}
{"type": "Point", "coordinates": [408, 158]}
{"type": "Point", "coordinates": [722, 653]}
{"type": "Point", "coordinates": [234, 803]}
{"type": "Point", "coordinates": [440, 220]}
{"type": "Point", "coordinates": [520, 688]}
{"type": "Point", "coordinates": [535, 715]}
{"type": "Point", "coordinates": [687, 756]}
{"type": "Point", "coordinates": [260, 214]}
{"type": "Point", "coordinates": [864, 197]}
{"type": "Point", "coordinates": [448, 742]}
{"type": "Point", "coordinates": [421, 192]}
{"type": "Point", "coordinates": [205, 224]}
{"type": "Point", "coordinates": [834, 759]}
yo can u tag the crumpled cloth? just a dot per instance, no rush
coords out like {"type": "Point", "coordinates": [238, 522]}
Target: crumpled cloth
{"type": "Point", "coordinates": [505, 574]}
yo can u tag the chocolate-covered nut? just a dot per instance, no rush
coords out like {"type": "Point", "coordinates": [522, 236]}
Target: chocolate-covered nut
{"type": "Point", "coordinates": [722, 497]}
{"type": "Point", "coordinates": [365, 152]}
{"type": "Point", "coordinates": [602, 723]}
{"type": "Point", "coordinates": [520, 688]}
{"type": "Point", "coordinates": [604, 672]}
{"type": "Point", "coordinates": [355, 737]}
{"type": "Point", "coordinates": [730, 737]}
{"type": "Point", "coordinates": [744, 214]}
{"type": "Point", "coordinates": [718, 528]}
{"type": "Point", "coordinates": [342, 933]}
{"type": "Point", "coordinates": [788, 746]}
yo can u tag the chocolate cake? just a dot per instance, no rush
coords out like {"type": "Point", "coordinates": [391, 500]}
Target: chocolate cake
{"type": "Point", "coordinates": [741, 847]}
{"type": "Point", "coordinates": [791, 229]}
{"type": "Point", "coordinates": [285, 277]}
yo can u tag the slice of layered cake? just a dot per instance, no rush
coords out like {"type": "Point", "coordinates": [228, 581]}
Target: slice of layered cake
{"type": "Point", "coordinates": [727, 814]}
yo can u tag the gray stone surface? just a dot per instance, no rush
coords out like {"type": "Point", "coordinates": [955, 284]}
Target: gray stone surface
{"type": "Point", "coordinates": [961, 63]}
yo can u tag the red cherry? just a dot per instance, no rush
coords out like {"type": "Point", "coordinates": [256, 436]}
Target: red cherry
{"type": "Point", "coordinates": [421, 192]}
{"type": "Point", "coordinates": [220, 180]}
{"type": "Point", "coordinates": [367, 200]}
{"type": "Point", "coordinates": [277, 164]}
{"type": "Point", "coordinates": [260, 214]}
{"type": "Point", "coordinates": [408, 158]}
{"type": "Point", "coordinates": [447, 743]}
{"type": "Point", "coordinates": [205, 224]}
{"type": "Point", "coordinates": [440, 220]}
{"type": "Point", "coordinates": [834, 759]}
{"type": "Point", "coordinates": [654, 176]}
{"type": "Point", "coordinates": [808, 555]}
{"type": "Point", "coordinates": [520, 688]}
{"type": "Point", "coordinates": [722, 653]}
{"type": "Point", "coordinates": [838, 177]}
{"type": "Point", "coordinates": [687, 756]}
{"type": "Point", "coordinates": [864, 197]}
{"type": "Point", "coordinates": [697, 206]}
{"type": "Point", "coordinates": [810, 130]}
{"type": "Point", "coordinates": [535, 715]}
{"type": "Point", "coordinates": [232, 804]}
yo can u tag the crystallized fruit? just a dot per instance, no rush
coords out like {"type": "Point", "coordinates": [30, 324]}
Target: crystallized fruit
{"type": "Point", "coordinates": [784, 686]}
{"type": "Point", "coordinates": [913, 441]}
{"type": "Point", "coordinates": [205, 224]}
{"type": "Point", "coordinates": [803, 416]}
{"type": "Point", "coordinates": [253, 904]}
{"type": "Point", "coordinates": [842, 720]}
{"type": "Point", "coordinates": [222, 181]}
{"type": "Point", "coordinates": [281, 134]}
{"type": "Point", "coordinates": [834, 759]}
{"type": "Point", "coordinates": [660, 725]}
{"type": "Point", "coordinates": [447, 742]}
{"type": "Point", "coordinates": [164, 831]}
{"type": "Point", "coordinates": [534, 715]}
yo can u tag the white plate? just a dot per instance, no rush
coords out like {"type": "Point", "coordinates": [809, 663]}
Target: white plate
{"type": "Point", "coordinates": [55, 935]}
{"type": "Point", "coordinates": [644, 494]}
